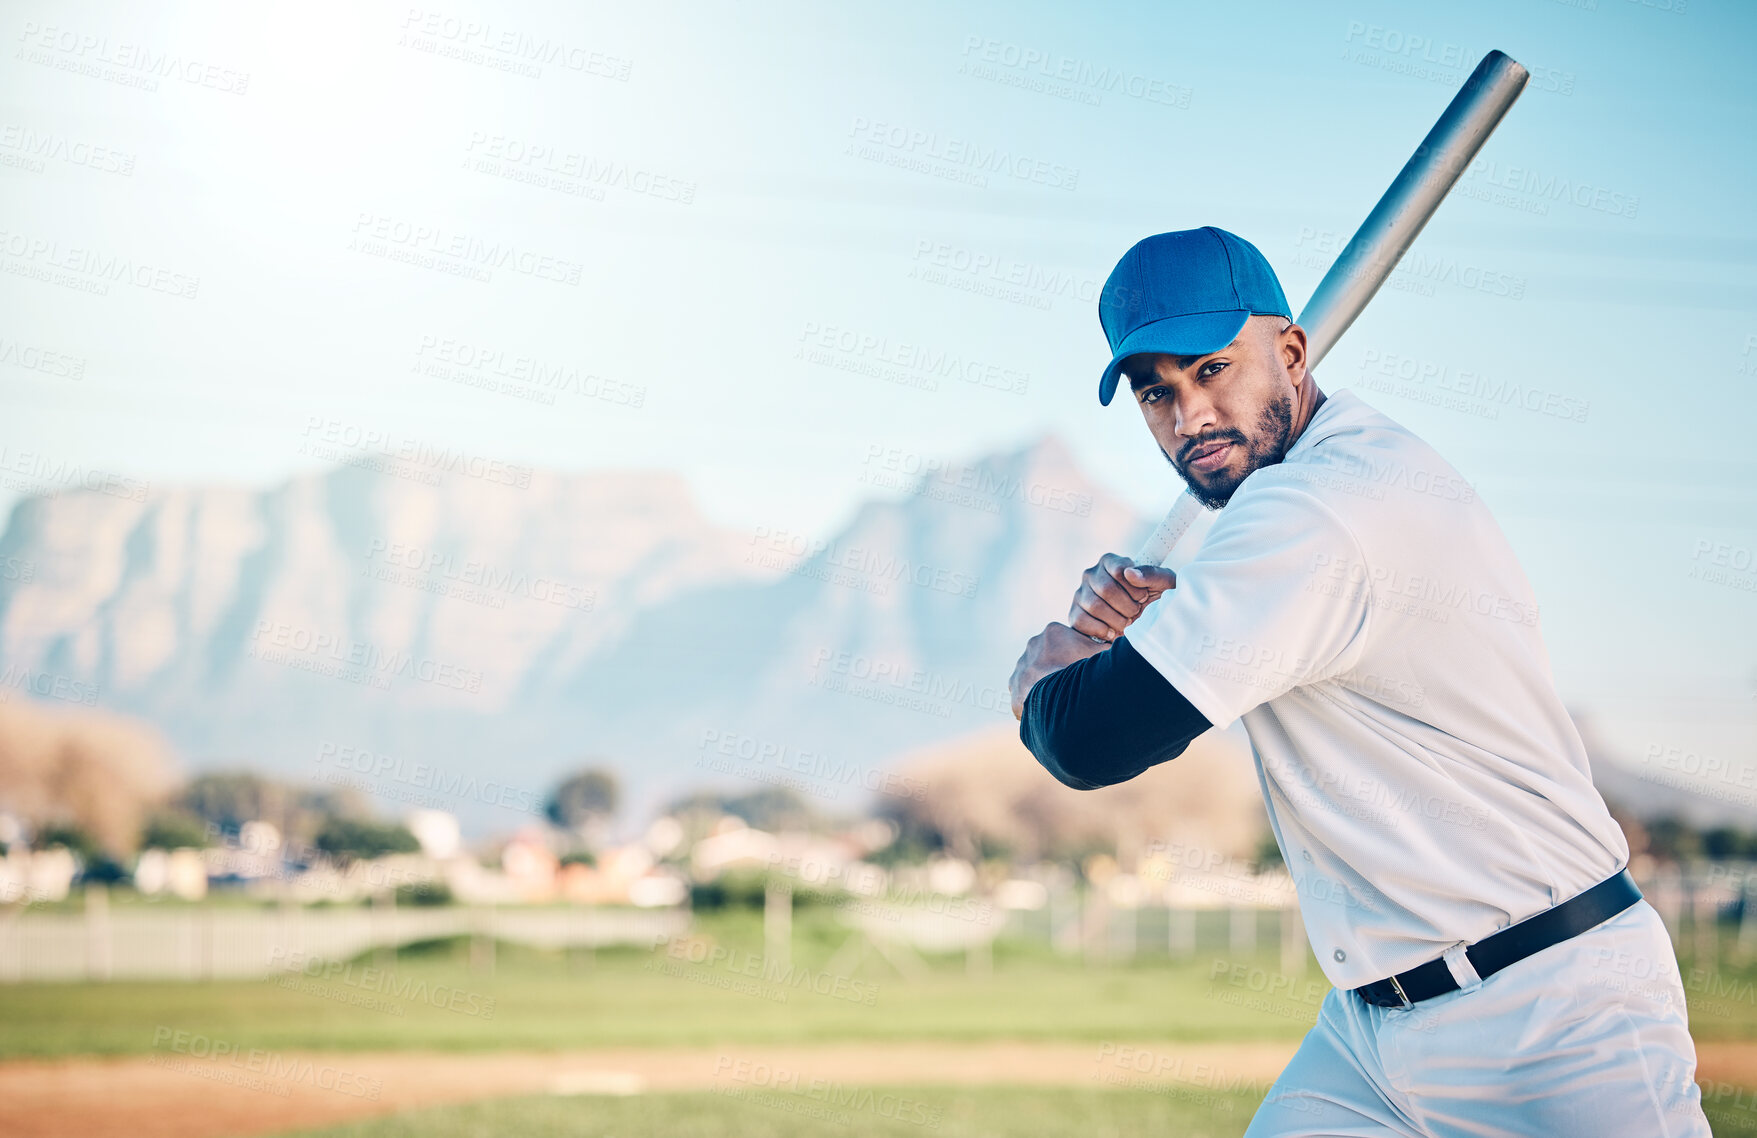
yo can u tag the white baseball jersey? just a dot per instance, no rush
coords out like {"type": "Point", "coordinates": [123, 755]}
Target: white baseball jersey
{"type": "Point", "coordinates": [1357, 606]}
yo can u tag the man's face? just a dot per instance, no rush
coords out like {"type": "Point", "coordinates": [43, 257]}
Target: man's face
{"type": "Point", "coordinates": [1220, 416]}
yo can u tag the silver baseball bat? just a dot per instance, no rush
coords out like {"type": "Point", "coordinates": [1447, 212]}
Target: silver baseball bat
{"type": "Point", "coordinates": [1384, 236]}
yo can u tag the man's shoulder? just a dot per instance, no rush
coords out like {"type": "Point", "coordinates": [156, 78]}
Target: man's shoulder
{"type": "Point", "coordinates": [1358, 460]}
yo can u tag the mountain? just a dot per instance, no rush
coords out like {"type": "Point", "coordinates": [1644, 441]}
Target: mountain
{"type": "Point", "coordinates": [460, 636]}
{"type": "Point", "coordinates": [464, 636]}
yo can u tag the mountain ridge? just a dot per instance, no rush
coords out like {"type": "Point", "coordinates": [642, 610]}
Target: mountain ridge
{"type": "Point", "coordinates": [453, 618]}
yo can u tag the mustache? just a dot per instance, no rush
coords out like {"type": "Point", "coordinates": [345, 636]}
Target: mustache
{"type": "Point", "coordinates": [1226, 436]}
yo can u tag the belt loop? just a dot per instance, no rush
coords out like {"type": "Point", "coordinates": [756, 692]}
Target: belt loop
{"type": "Point", "coordinates": [1462, 970]}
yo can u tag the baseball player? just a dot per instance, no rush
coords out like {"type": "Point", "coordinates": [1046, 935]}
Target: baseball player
{"type": "Point", "coordinates": [1355, 604]}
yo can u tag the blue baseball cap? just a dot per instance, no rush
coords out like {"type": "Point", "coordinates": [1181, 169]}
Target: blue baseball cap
{"type": "Point", "coordinates": [1186, 293]}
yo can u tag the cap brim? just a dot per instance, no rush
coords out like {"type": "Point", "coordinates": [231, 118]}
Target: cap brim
{"type": "Point", "coordinates": [1193, 334]}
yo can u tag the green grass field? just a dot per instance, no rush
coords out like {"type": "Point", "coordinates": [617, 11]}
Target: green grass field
{"type": "Point", "coordinates": [559, 1000]}
{"type": "Point", "coordinates": [963, 1112]}
{"type": "Point", "coordinates": [635, 997]}
{"type": "Point", "coordinates": [556, 1001]}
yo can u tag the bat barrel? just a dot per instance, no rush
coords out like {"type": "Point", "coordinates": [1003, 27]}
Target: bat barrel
{"type": "Point", "coordinates": [1426, 178]}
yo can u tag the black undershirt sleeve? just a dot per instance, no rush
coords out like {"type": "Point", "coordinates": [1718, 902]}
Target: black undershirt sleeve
{"type": "Point", "coordinates": [1107, 718]}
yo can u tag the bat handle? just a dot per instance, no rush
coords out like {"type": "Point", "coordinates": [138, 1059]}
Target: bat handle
{"type": "Point", "coordinates": [1164, 539]}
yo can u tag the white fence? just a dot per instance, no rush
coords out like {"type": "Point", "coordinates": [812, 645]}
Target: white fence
{"type": "Point", "coordinates": [199, 943]}
{"type": "Point", "coordinates": [203, 943]}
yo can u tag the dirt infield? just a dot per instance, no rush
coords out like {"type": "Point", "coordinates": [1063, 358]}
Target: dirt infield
{"type": "Point", "coordinates": [175, 1095]}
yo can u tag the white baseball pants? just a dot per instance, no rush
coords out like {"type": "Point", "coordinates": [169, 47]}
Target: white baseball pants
{"type": "Point", "coordinates": [1587, 1037]}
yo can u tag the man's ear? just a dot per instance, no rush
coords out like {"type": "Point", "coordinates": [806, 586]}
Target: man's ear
{"type": "Point", "coordinates": [1293, 350]}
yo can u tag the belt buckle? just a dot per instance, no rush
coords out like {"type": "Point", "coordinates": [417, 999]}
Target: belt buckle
{"type": "Point", "coordinates": [1401, 994]}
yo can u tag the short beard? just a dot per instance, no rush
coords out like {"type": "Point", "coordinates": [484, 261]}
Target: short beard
{"type": "Point", "coordinates": [1274, 427]}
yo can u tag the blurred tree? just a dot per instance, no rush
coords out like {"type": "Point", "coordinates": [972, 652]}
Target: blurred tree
{"type": "Point", "coordinates": [1723, 842]}
{"type": "Point", "coordinates": [175, 829]}
{"type": "Point", "coordinates": [584, 799]}
{"type": "Point", "coordinates": [65, 834]}
{"type": "Point", "coordinates": [347, 839]}
{"type": "Point", "coordinates": [1672, 839]}
{"type": "Point", "coordinates": [99, 772]}
{"type": "Point", "coordinates": [771, 808]}
{"type": "Point", "coordinates": [228, 799]}
{"type": "Point", "coordinates": [424, 893]}
{"type": "Point", "coordinates": [95, 862]}
{"type": "Point", "coordinates": [744, 889]}
{"type": "Point", "coordinates": [918, 832]}
{"type": "Point", "coordinates": [1268, 855]}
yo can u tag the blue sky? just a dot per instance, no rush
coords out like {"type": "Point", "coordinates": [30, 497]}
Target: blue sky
{"type": "Point", "coordinates": [751, 208]}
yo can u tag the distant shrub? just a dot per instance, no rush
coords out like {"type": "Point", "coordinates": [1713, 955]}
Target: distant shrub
{"type": "Point", "coordinates": [424, 893]}
{"type": "Point", "coordinates": [729, 891]}
{"type": "Point", "coordinates": [347, 839]}
{"type": "Point", "coordinates": [174, 829]}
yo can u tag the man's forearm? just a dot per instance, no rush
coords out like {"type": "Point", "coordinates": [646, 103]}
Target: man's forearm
{"type": "Point", "coordinates": [1107, 718]}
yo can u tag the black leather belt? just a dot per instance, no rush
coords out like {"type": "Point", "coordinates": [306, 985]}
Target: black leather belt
{"type": "Point", "coordinates": [1512, 944]}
